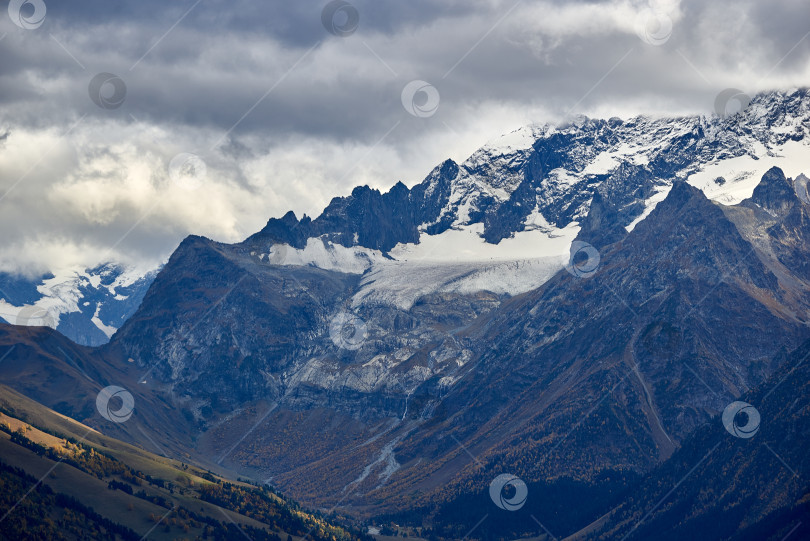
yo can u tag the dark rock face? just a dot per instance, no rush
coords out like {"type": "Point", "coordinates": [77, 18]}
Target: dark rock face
{"type": "Point", "coordinates": [790, 232]}
{"type": "Point", "coordinates": [774, 194]}
{"type": "Point", "coordinates": [367, 217]}
{"type": "Point", "coordinates": [602, 224]}
{"type": "Point", "coordinates": [19, 290]}
{"type": "Point", "coordinates": [216, 320]}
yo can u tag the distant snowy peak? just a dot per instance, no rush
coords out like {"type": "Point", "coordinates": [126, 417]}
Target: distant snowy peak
{"type": "Point", "coordinates": [86, 305]}
{"type": "Point", "coordinates": [515, 141]}
{"type": "Point", "coordinates": [516, 176]}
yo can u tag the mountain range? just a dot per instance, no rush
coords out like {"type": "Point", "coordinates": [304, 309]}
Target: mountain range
{"type": "Point", "coordinates": [574, 306]}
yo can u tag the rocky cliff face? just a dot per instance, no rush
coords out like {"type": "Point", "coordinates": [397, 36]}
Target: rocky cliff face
{"type": "Point", "coordinates": [251, 330]}
{"type": "Point", "coordinates": [368, 218]}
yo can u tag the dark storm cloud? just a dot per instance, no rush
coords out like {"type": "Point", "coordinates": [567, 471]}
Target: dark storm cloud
{"type": "Point", "coordinates": [222, 57]}
{"type": "Point", "coordinates": [293, 23]}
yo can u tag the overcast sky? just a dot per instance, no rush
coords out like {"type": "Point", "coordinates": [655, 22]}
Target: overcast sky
{"type": "Point", "coordinates": [288, 104]}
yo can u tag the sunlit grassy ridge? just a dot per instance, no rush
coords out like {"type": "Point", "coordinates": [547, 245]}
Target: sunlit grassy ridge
{"type": "Point", "coordinates": [127, 492]}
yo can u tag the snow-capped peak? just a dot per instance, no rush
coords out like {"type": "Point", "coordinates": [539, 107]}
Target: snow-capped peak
{"type": "Point", "coordinates": [86, 305]}
{"type": "Point", "coordinates": [532, 187]}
